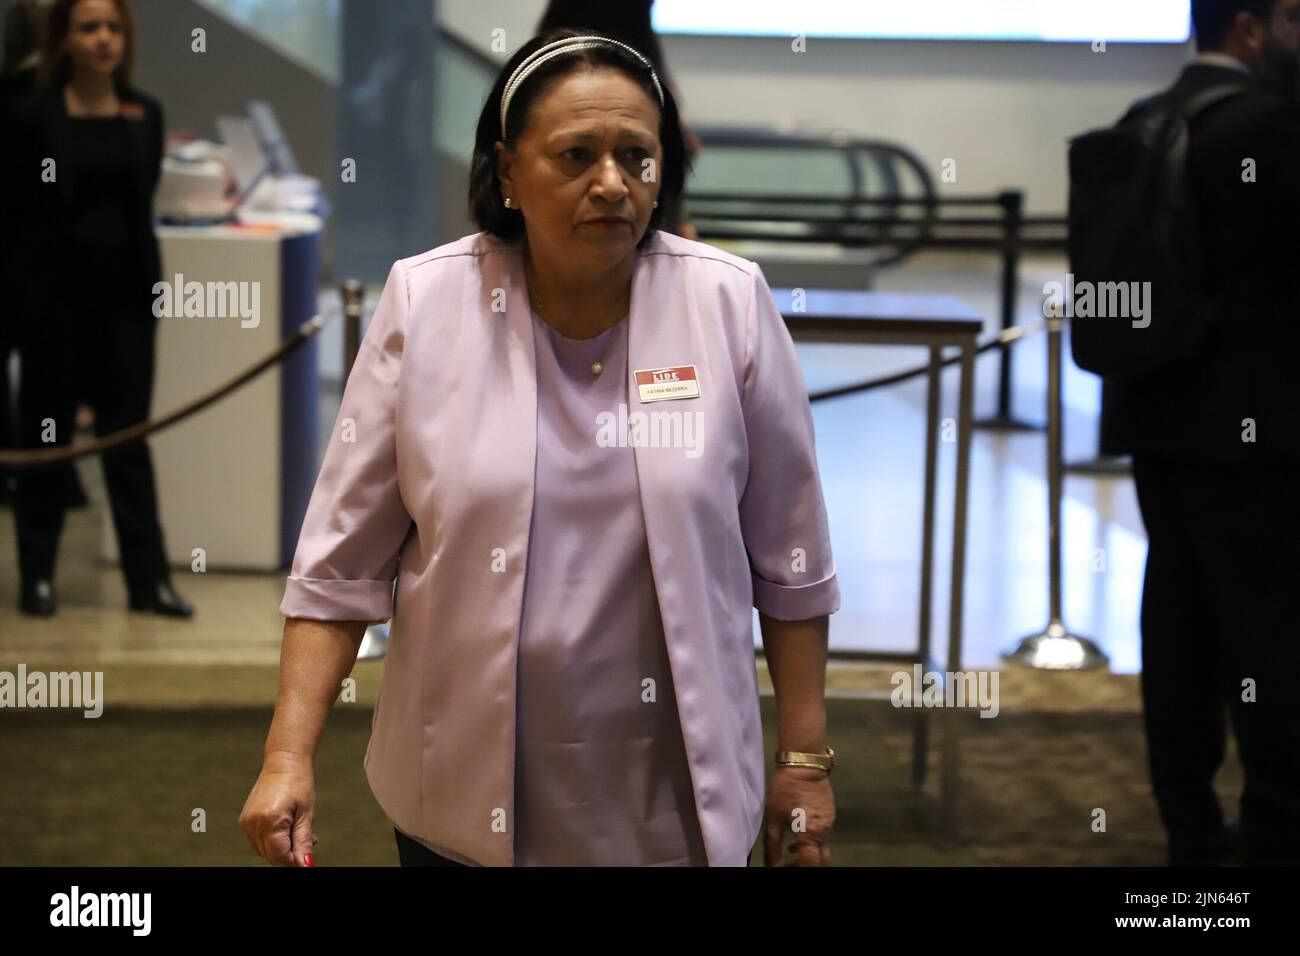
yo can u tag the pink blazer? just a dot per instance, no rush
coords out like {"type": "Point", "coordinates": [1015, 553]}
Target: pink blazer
{"type": "Point", "coordinates": [427, 483]}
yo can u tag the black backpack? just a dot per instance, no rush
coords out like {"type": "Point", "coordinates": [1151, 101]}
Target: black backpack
{"type": "Point", "coordinates": [1132, 221]}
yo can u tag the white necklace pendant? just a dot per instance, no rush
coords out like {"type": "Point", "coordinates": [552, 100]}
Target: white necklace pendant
{"type": "Point", "coordinates": [596, 368]}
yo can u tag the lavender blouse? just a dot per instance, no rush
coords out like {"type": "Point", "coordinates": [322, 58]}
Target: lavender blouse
{"type": "Point", "coordinates": [601, 776]}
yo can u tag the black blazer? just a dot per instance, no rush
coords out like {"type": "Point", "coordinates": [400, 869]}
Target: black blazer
{"type": "Point", "coordinates": [42, 210]}
{"type": "Point", "coordinates": [1247, 368]}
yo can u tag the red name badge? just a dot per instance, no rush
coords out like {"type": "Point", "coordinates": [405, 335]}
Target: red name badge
{"type": "Point", "coordinates": [667, 384]}
{"type": "Point", "coordinates": [131, 111]}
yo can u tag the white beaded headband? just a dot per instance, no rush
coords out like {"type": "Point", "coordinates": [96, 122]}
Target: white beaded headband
{"type": "Point", "coordinates": [556, 48]}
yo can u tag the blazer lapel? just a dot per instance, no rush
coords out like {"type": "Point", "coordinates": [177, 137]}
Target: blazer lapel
{"type": "Point", "coordinates": [665, 332]}
{"type": "Point", "coordinates": [471, 407]}
{"type": "Point", "coordinates": [500, 399]}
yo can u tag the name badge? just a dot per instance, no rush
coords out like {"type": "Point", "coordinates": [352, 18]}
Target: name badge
{"type": "Point", "coordinates": [667, 384]}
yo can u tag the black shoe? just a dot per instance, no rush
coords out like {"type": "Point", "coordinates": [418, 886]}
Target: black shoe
{"type": "Point", "coordinates": [164, 600]}
{"type": "Point", "coordinates": [1232, 836]}
{"type": "Point", "coordinates": [37, 597]}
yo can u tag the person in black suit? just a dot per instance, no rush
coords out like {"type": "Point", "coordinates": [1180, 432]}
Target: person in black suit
{"type": "Point", "coordinates": [22, 26]}
{"type": "Point", "coordinates": [88, 156]}
{"type": "Point", "coordinates": [1216, 458]}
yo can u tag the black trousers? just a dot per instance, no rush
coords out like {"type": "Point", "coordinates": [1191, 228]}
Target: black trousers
{"type": "Point", "coordinates": [412, 853]}
{"type": "Point", "coordinates": [102, 354]}
{"type": "Point", "coordinates": [1220, 622]}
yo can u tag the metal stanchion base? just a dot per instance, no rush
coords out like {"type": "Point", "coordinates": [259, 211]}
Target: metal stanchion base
{"type": "Point", "coordinates": [1007, 423]}
{"type": "Point", "coordinates": [1057, 649]}
{"type": "Point", "coordinates": [1112, 466]}
{"type": "Point", "coordinates": [375, 644]}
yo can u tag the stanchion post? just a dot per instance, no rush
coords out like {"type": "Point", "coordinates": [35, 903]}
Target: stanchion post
{"type": "Point", "coordinates": [1013, 214]}
{"type": "Point", "coordinates": [948, 824]}
{"type": "Point", "coordinates": [1013, 210]}
{"type": "Point", "coordinates": [1055, 485]}
{"type": "Point", "coordinates": [921, 720]}
{"type": "Point", "coordinates": [1055, 648]}
{"type": "Point", "coordinates": [352, 293]}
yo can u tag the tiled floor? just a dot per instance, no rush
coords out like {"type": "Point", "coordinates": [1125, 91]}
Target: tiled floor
{"type": "Point", "coordinates": [870, 450]}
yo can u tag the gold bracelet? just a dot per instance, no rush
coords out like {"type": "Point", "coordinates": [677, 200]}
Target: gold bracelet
{"type": "Point", "coordinates": [793, 758]}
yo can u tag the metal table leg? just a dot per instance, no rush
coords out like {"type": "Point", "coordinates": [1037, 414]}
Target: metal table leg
{"type": "Point", "coordinates": [921, 718]}
{"type": "Point", "coordinates": [951, 736]}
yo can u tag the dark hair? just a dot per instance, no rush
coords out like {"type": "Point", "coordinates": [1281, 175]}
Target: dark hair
{"type": "Point", "coordinates": [55, 70]}
{"type": "Point", "coordinates": [1212, 19]}
{"type": "Point", "coordinates": [626, 20]}
{"type": "Point", "coordinates": [485, 202]}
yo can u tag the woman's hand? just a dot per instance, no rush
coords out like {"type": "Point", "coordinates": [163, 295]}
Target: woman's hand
{"type": "Point", "coordinates": [278, 813]}
{"type": "Point", "coordinates": [799, 800]}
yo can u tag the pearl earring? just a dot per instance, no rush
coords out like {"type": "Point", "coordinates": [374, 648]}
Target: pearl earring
{"type": "Point", "coordinates": [510, 203]}
{"type": "Point", "coordinates": [656, 204]}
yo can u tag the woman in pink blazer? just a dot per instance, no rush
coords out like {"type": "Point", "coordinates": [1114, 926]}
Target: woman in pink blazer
{"type": "Point", "coordinates": [573, 453]}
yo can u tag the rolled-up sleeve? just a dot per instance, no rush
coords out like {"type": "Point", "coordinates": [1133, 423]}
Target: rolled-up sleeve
{"type": "Point", "coordinates": [346, 560]}
{"type": "Point", "coordinates": [782, 513]}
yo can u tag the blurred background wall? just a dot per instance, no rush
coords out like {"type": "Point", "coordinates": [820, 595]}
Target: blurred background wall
{"type": "Point", "coordinates": [1002, 110]}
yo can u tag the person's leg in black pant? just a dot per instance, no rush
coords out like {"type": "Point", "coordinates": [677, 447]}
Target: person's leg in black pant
{"type": "Point", "coordinates": [413, 853]}
{"type": "Point", "coordinates": [8, 434]}
{"type": "Point", "coordinates": [1252, 537]}
{"type": "Point", "coordinates": [1183, 687]}
{"type": "Point", "coordinates": [121, 389]}
{"type": "Point", "coordinates": [46, 419]}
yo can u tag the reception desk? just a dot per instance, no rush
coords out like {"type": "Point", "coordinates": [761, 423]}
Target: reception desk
{"type": "Point", "coordinates": [234, 479]}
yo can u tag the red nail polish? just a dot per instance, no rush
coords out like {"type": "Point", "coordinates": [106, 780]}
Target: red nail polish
{"type": "Point", "coordinates": [309, 860]}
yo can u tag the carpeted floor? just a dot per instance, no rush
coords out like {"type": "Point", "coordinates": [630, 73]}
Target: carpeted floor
{"type": "Point", "coordinates": [123, 789]}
